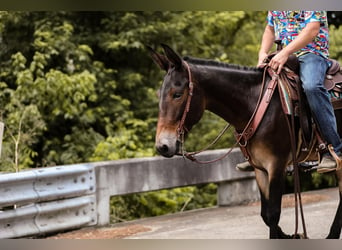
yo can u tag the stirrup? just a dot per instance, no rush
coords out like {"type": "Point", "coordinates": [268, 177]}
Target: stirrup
{"type": "Point", "coordinates": [336, 157]}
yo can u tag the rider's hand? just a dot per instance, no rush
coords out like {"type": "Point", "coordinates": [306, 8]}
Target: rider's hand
{"type": "Point", "coordinates": [278, 61]}
{"type": "Point", "coordinates": [261, 61]}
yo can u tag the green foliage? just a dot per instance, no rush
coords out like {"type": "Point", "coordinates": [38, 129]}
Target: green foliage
{"type": "Point", "coordinates": [335, 49]}
{"type": "Point", "coordinates": [124, 144]}
{"type": "Point", "coordinates": [311, 181]}
{"type": "Point", "coordinates": [150, 204]}
{"type": "Point", "coordinates": [24, 127]}
{"type": "Point", "coordinates": [92, 81]}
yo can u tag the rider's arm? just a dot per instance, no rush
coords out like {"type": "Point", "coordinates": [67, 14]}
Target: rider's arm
{"type": "Point", "coordinates": [304, 38]}
{"type": "Point", "coordinates": [266, 43]}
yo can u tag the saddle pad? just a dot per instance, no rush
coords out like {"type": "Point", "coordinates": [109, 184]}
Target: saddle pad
{"type": "Point", "coordinates": [285, 97]}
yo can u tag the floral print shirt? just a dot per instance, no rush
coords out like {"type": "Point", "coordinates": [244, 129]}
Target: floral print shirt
{"type": "Point", "coordinates": [288, 24]}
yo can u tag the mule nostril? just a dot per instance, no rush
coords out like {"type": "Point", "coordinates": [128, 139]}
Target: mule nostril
{"type": "Point", "coordinates": [163, 149]}
{"type": "Point", "coordinates": [166, 147]}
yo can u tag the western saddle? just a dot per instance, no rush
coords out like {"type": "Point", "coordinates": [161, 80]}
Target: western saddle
{"type": "Point", "coordinates": [307, 142]}
{"type": "Point", "coordinates": [290, 90]}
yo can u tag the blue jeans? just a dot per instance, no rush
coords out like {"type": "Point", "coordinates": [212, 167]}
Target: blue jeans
{"type": "Point", "coordinates": [312, 73]}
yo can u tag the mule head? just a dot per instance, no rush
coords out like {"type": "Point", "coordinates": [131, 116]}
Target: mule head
{"type": "Point", "coordinates": [173, 96]}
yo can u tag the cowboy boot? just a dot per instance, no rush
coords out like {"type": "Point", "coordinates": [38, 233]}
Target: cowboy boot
{"type": "Point", "coordinates": [330, 162]}
{"type": "Point", "coordinates": [244, 166]}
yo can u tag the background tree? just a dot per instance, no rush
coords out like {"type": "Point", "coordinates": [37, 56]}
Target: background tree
{"type": "Point", "coordinates": [92, 81]}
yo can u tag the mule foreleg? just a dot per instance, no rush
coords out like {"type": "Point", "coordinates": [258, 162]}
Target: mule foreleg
{"type": "Point", "coordinates": [271, 190]}
{"type": "Point", "coordinates": [335, 229]}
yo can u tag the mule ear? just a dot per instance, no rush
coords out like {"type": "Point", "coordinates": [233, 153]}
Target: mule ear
{"type": "Point", "coordinates": [172, 56]}
{"type": "Point", "coordinates": [159, 59]}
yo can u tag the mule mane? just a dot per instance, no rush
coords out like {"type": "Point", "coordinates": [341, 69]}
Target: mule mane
{"type": "Point", "coordinates": [210, 62]}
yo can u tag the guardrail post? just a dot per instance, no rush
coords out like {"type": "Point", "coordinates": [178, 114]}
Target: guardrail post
{"type": "Point", "coordinates": [102, 196]}
{"type": "Point", "coordinates": [240, 187]}
{"type": "Point", "coordinates": [237, 192]}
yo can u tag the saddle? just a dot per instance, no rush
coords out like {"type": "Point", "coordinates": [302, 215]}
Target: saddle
{"type": "Point", "coordinates": [294, 104]}
{"type": "Point", "coordinates": [294, 101]}
{"type": "Point", "coordinates": [333, 78]}
{"type": "Point", "coordinates": [333, 83]}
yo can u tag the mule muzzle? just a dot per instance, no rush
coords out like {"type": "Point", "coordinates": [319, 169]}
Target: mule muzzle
{"type": "Point", "coordinates": [167, 147]}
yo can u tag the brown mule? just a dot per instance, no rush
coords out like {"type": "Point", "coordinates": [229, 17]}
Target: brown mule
{"type": "Point", "coordinates": [232, 93]}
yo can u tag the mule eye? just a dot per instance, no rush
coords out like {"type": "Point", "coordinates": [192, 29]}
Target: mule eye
{"type": "Point", "coordinates": [177, 95]}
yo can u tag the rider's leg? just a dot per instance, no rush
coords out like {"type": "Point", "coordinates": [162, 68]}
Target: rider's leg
{"type": "Point", "coordinates": [312, 73]}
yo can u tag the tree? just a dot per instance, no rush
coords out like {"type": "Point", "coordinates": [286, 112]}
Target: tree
{"type": "Point", "coordinates": [23, 127]}
{"type": "Point", "coordinates": [90, 78]}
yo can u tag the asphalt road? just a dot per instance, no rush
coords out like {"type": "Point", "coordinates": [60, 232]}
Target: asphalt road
{"type": "Point", "coordinates": [244, 222]}
{"type": "Point", "coordinates": [233, 222]}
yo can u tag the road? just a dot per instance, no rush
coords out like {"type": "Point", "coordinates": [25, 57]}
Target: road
{"type": "Point", "coordinates": [233, 222]}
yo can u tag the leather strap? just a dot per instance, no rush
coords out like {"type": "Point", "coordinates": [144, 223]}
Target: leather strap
{"type": "Point", "coordinates": [261, 110]}
{"type": "Point", "coordinates": [337, 103]}
{"type": "Point", "coordinates": [181, 127]}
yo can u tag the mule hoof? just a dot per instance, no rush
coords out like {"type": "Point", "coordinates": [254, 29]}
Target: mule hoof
{"type": "Point", "coordinates": [299, 236]}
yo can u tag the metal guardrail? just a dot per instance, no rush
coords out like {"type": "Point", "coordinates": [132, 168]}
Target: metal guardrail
{"type": "Point", "coordinates": [45, 200]}
{"type": "Point", "coordinates": [53, 199]}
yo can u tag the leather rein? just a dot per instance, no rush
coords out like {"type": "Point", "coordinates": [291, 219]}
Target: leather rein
{"type": "Point", "coordinates": [241, 138]}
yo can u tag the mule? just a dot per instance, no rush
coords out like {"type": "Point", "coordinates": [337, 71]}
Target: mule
{"type": "Point", "coordinates": [231, 92]}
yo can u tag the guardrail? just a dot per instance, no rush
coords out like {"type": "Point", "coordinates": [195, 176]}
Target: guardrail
{"type": "Point", "coordinates": [53, 199]}
{"type": "Point", "coordinates": [46, 200]}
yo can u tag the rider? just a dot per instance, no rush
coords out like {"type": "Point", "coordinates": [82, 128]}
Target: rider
{"type": "Point", "coordinates": [305, 33]}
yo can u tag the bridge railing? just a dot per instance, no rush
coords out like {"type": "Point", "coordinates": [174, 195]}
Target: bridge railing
{"type": "Point", "coordinates": [53, 199]}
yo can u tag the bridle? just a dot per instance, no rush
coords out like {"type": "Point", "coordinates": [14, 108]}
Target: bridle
{"type": "Point", "coordinates": [182, 128]}
{"type": "Point", "coordinates": [241, 138]}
